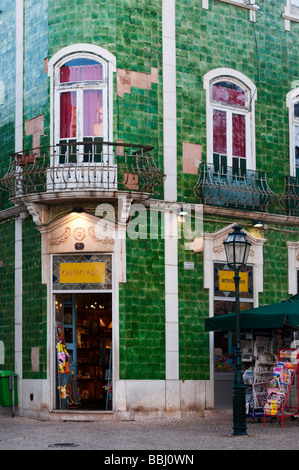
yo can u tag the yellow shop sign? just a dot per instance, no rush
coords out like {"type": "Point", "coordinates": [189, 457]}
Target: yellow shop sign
{"type": "Point", "coordinates": [227, 283]}
{"type": "Point", "coordinates": [82, 273]}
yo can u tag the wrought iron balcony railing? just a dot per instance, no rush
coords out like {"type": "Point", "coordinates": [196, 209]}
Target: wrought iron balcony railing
{"type": "Point", "coordinates": [234, 188]}
{"type": "Point", "coordinates": [83, 166]}
{"type": "Point", "coordinates": [289, 201]}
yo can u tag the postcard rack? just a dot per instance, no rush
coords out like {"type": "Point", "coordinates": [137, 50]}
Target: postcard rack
{"type": "Point", "coordinates": [278, 401]}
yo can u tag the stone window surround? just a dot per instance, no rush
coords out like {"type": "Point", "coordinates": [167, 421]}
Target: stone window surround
{"type": "Point", "coordinates": [87, 50]}
{"type": "Point", "coordinates": [214, 252]}
{"type": "Point", "coordinates": [290, 14]}
{"type": "Point", "coordinates": [293, 266]}
{"type": "Point", "coordinates": [291, 99]}
{"type": "Point", "coordinates": [252, 7]}
{"type": "Point", "coordinates": [237, 77]}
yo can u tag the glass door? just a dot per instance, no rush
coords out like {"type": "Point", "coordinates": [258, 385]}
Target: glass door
{"type": "Point", "coordinates": [66, 350]}
{"type": "Point", "coordinates": [83, 351]}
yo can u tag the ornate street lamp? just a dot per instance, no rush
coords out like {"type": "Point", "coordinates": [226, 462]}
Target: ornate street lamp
{"type": "Point", "coordinates": [237, 249]}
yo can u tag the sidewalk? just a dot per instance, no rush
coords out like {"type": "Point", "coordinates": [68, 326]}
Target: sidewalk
{"type": "Point", "coordinates": [211, 432]}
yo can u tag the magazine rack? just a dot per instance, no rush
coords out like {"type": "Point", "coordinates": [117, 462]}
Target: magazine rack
{"type": "Point", "coordinates": [278, 393]}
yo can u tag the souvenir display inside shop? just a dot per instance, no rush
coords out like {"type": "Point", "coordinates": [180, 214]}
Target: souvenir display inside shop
{"type": "Point", "coordinates": [84, 352]}
{"type": "Point", "coordinates": [270, 364]}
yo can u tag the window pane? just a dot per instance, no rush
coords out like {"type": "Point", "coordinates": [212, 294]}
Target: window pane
{"type": "Point", "coordinates": [68, 115]}
{"type": "Point", "coordinates": [219, 131]}
{"type": "Point", "coordinates": [239, 148]}
{"type": "Point", "coordinates": [93, 113]}
{"type": "Point", "coordinates": [221, 271]}
{"type": "Point", "coordinates": [228, 92]}
{"type": "Point", "coordinates": [79, 70]}
{"type": "Point", "coordinates": [296, 108]}
{"type": "Point", "coordinates": [297, 146]}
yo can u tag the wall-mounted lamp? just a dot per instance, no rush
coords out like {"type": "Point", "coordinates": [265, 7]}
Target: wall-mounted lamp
{"type": "Point", "coordinates": [258, 224]}
{"type": "Point", "coordinates": [181, 214]}
{"type": "Point", "coordinates": [183, 211]}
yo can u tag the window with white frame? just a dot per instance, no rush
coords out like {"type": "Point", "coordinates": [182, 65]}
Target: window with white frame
{"type": "Point", "coordinates": [230, 121]}
{"type": "Point", "coordinates": [247, 4]}
{"type": "Point", "coordinates": [81, 99]}
{"type": "Point", "coordinates": [291, 13]}
{"type": "Point", "coordinates": [293, 105]}
{"type": "Point", "coordinates": [81, 95]}
{"type": "Point", "coordinates": [296, 136]}
{"type": "Point", "coordinates": [293, 267]}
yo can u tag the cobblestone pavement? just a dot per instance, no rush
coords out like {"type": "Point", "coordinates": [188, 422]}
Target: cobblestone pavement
{"type": "Point", "coordinates": [211, 432]}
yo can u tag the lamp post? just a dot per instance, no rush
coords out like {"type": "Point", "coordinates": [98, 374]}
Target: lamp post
{"type": "Point", "coordinates": [237, 249]}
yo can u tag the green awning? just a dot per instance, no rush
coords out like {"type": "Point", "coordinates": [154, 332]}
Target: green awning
{"type": "Point", "coordinates": [268, 316]}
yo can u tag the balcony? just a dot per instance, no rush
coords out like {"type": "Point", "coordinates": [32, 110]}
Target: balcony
{"type": "Point", "coordinates": [289, 201]}
{"type": "Point", "coordinates": [85, 169]}
{"type": "Point", "coordinates": [224, 186]}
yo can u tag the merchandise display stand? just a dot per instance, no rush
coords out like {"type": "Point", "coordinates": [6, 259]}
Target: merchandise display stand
{"type": "Point", "coordinates": [258, 355]}
{"type": "Point", "coordinates": [284, 375]}
{"type": "Point", "coordinates": [248, 376]}
{"type": "Point", "coordinates": [264, 362]}
{"type": "Point", "coordinates": [63, 367]}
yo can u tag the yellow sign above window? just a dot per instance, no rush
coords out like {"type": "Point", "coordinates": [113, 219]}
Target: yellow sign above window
{"type": "Point", "coordinates": [82, 273]}
{"type": "Point", "coordinates": [227, 283]}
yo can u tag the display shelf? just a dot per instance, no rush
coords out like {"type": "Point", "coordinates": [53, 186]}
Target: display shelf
{"type": "Point", "coordinates": [93, 351]}
{"type": "Point", "coordinates": [258, 359]}
{"type": "Point", "coordinates": [264, 359]}
{"type": "Point", "coordinates": [247, 361]}
{"type": "Point", "coordinates": [277, 403]}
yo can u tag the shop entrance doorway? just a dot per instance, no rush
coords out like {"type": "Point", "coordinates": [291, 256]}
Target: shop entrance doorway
{"type": "Point", "coordinates": [224, 341]}
{"type": "Point", "coordinates": [83, 323]}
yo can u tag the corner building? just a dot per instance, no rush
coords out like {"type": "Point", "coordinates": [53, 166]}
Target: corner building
{"type": "Point", "coordinates": [114, 116]}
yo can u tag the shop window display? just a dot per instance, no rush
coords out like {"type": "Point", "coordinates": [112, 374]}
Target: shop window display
{"type": "Point", "coordinates": [84, 351]}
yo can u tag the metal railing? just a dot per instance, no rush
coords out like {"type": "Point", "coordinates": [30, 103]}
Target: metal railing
{"type": "Point", "coordinates": [235, 188]}
{"type": "Point", "coordinates": [83, 166]}
{"type": "Point", "coordinates": [289, 201]}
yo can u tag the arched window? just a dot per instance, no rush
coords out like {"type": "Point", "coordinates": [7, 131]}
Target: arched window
{"type": "Point", "coordinates": [81, 77]}
{"type": "Point", "coordinates": [293, 105]}
{"type": "Point", "coordinates": [230, 120]}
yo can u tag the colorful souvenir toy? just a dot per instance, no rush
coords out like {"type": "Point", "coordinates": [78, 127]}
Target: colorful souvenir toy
{"type": "Point", "coordinates": [63, 356]}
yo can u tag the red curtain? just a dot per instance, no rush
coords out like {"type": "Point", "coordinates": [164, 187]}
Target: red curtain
{"type": "Point", "coordinates": [239, 135]}
{"type": "Point", "coordinates": [93, 113]}
{"type": "Point", "coordinates": [219, 131]}
{"type": "Point", "coordinates": [80, 73]}
{"type": "Point", "coordinates": [228, 95]}
{"type": "Point", "coordinates": [68, 115]}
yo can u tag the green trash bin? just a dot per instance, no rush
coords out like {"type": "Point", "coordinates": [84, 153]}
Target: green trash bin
{"type": "Point", "coordinates": [5, 388]}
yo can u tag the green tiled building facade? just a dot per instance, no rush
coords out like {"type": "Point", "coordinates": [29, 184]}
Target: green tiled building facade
{"type": "Point", "coordinates": [113, 116]}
